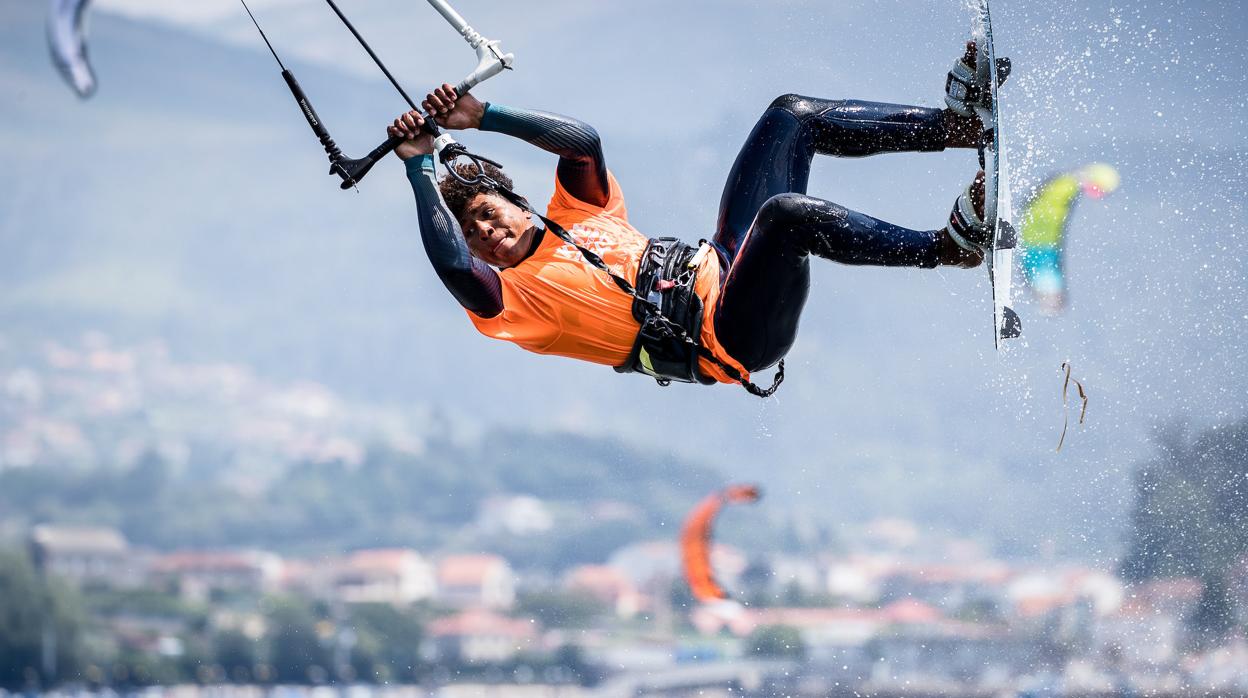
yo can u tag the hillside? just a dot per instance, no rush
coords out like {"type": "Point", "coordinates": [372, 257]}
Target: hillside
{"type": "Point", "coordinates": [187, 202]}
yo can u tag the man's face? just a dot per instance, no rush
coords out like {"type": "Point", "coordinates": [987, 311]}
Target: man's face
{"type": "Point", "coordinates": [498, 232]}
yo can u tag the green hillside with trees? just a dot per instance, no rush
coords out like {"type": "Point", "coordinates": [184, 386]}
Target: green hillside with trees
{"type": "Point", "coordinates": [427, 501]}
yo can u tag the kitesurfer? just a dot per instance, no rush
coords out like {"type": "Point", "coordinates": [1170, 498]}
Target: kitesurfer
{"type": "Point", "coordinates": [740, 294]}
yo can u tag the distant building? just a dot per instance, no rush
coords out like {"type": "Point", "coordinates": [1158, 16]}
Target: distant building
{"type": "Point", "coordinates": [892, 534]}
{"type": "Point", "coordinates": [87, 556]}
{"type": "Point", "coordinates": [948, 652]}
{"type": "Point", "coordinates": [651, 565]}
{"type": "Point", "coordinates": [857, 578]}
{"type": "Point", "coordinates": [392, 575]}
{"type": "Point", "coordinates": [476, 580]}
{"type": "Point", "coordinates": [1178, 596]}
{"type": "Point", "coordinates": [198, 574]}
{"type": "Point", "coordinates": [793, 572]}
{"type": "Point", "coordinates": [1038, 592]}
{"type": "Point", "coordinates": [607, 585]}
{"type": "Point", "coordinates": [819, 626]}
{"type": "Point", "coordinates": [479, 636]}
{"type": "Point", "coordinates": [34, 439]}
{"type": "Point", "coordinates": [1148, 629]}
{"type": "Point", "coordinates": [517, 516]}
{"type": "Point", "coordinates": [906, 640]}
{"type": "Point", "coordinates": [946, 585]}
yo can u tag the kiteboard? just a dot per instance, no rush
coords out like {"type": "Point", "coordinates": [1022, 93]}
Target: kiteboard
{"type": "Point", "coordinates": [991, 72]}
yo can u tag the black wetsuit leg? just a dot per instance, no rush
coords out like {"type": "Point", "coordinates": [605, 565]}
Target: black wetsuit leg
{"type": "Point", "coordinates": [767, 227]}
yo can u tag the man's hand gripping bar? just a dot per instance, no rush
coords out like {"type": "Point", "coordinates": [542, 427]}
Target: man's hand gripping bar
{"type": "Point", "coordinates": [490, 62]}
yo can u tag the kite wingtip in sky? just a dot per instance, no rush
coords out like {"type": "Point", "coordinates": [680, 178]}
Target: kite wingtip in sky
{"type": "Point", "coordinates": [68, 45]}
{"type": "Point", "coordinates": [695, 541]}
{"type": "Point", "coordinates": [1044, 226]}
{"type": "Point", "coordinates": [1098, 179]}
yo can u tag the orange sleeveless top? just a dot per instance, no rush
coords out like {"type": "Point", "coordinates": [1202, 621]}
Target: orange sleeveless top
{"type": "Point", "coordinates": [555, 302]}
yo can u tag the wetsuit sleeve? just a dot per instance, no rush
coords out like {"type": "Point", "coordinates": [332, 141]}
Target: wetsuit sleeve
{"type": "Point", "coordinates": [474, 283]}
{"type": "Point", "coordinates": [582, 168]}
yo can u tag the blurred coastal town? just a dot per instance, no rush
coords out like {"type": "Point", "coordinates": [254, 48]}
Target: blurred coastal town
{"type": "Point", "coordinates": [880, 620]}
{"type": "Point", "coordinates": [103, 598]}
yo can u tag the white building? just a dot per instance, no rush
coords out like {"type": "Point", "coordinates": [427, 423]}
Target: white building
{"type": "Point", "coordinates": [87, 555]}
{"type": "Point", "coordinates": [476, 580]}
{"type": "Point", "coordinates": [395, 576]}
{"type": "Point", "coordinates": [517, 516]}
{"type": "Point", "coordinates": [479, 636]}
{"type": "Point", "coordinates": [198, 574]}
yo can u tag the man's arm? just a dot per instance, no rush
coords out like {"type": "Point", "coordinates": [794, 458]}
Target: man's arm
{"type": "Point", "coordinates": [582, 168]}
{"type": "Point", "coordinates": [473, 283]}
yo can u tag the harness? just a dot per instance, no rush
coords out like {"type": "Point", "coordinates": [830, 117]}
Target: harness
{"type": "Point", "coordinates": [665, 278]}
{"type": "Point", "coordinates": [667, 347]}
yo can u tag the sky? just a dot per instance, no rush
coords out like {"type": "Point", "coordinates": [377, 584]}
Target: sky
{"type": "Point", "coordinates": [225, 210]}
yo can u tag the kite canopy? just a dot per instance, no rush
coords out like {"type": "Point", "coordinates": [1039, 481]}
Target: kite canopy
{"type": "Point", "coordinates": [68, 45]}
{"type": "Point", "coordinates": [695, 540]}
{"type": "Point", "coordinates": [1098, 179]}
{"type": "Point", "coordinates": [1044, 225]}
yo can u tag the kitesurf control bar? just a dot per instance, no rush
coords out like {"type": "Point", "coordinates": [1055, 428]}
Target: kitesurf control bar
{"type": "Point", "coordinates": [490, 62]}
{"type": "Point", "coordinates": [336, 158]}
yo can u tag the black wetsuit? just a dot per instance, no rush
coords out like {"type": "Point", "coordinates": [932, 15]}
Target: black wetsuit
{"type": "Point", "coordinates": [767, 226]}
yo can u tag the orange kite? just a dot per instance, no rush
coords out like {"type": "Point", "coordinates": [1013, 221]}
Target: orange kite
{"type": "Point", "coordinates": [695, 540]}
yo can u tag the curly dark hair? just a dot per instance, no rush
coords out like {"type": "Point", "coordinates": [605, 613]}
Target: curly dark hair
{"type": "Point", "coordinates": [457, 194]}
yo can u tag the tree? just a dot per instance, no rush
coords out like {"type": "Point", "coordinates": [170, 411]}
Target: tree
{"type": "Point", "coordinates": [387, 645]}
{"type": "Point", "coordinates": [571, 658]}
{"type": "Point", "coordinates": [755, 582]}
{"type": "Point", "coordinates": [297, 654]}
{"type": "Point", "coordinates": [1213, 618]}
{"type": "Point", "coordinates": [561, 609]}
{"type": "Point", "coordinates": [40, 627]}
{"type": "Point", "coordinates": [235, 653]}
{"type": "Point", "coordinates": [1190, 518]}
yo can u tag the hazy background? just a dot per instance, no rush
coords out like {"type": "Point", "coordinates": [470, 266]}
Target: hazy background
{"type": "Point", "coordinates": [187, 201]}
